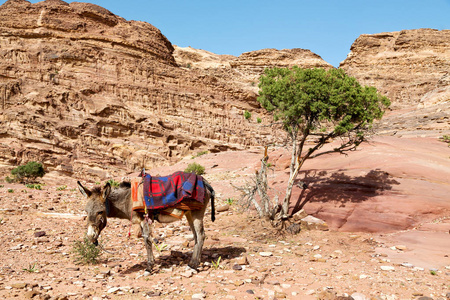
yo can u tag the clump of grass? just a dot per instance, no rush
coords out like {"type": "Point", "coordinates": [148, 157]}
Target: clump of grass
{"type": "Point", "coordinates": [86, 252]}
{"type": "Point", "coordinates": [216, 264]}
{"type": "Point", "coordinates": [229, 201]}
{"type": "Point", "coordinates": [10, 191]}
{"type": "Point", "coordinates": [61, 188]}
{"type": "Point", "coordinates": [113, 183]}
{"type": "Point", "coordinates": [259, 120]}
{"type": "Point", "coordinates": [32, 268]}
{"type": "Point", "coordinates": [195, 168]}
{"type": "Point", "coordinates": [247, 115]}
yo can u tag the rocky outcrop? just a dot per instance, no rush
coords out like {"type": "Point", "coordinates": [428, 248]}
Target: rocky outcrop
{"type": "Point", "coordinates": [411, 67]}
{"type": "Point", "coordinates": [244, 71]}
{"type": "Point", "coordinates": [90, 94]}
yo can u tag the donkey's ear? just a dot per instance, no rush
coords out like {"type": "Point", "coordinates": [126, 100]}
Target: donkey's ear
{"type": "Point", "coordinates": [106, 190]}
{"type": "Point", "coordinates": [83, 190]}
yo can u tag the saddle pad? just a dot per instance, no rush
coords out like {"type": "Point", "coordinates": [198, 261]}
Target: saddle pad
{"type": "Point", "coordinates": [167, 191]}
{"type": "Point", "coordinates": [158, 193]}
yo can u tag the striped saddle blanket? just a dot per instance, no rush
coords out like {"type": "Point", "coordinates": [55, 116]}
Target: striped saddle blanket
{"type": "Point", "coordinates": [170, 195]}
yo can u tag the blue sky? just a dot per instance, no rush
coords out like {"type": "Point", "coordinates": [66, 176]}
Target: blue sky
{"type": "Point", "coordinates": [328, 27]}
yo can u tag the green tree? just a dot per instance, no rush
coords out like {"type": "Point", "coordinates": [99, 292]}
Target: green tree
{"type": "Point", "coordinates": [28, 172]}
{"type": "Point", "coordinates": [322, 103]}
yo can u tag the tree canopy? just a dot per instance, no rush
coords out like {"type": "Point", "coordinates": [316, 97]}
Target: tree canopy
{"type": "Point", "coordinates": [312, 99]}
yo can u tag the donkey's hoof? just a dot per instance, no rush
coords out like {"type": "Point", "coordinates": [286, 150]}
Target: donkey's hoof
{"type": "Point", "coordinates": [150, 267]}
{"type": "Point", "coordinates": [193, 265]}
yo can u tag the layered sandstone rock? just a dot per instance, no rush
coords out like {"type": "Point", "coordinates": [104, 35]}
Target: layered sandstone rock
{"type": "Point", "coordinates": [409, 66]}
{"type": "Point", "coordinates": [244, 71]}
{"type": "Point", "coordinates": [88, 93]}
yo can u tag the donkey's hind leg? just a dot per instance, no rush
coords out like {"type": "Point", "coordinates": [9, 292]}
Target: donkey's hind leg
{"type": "Point", "coordinates": [196, 224]}
{"type": "Point", "coordinates": [146, 234]}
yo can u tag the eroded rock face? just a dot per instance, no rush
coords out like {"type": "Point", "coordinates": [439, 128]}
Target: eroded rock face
{"type": "Point", "coordinates": [411, 67]}
{"type": "Point", "coordinates": [90, 94]}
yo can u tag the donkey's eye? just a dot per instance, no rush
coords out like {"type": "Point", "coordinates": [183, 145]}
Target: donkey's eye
{"type": "Point", "coordinates": [100, 213]}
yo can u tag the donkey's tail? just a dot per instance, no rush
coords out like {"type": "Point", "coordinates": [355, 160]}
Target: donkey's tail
{"type": "Point", "coordinates": [213, 194]}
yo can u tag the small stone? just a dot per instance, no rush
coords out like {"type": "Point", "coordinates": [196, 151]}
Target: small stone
{"type": "Point", "coordinates": [153, 294]}
{"type": "Point", "coordinates": [16, 248]}
{"type": "Point", "coordinates": [73, 269]}
{"type": "Point", "coordinates": [187, 274]}
{"type": "Point", "coordinates": [112, 290]}
{"type": "Point", "coordinates": [199, 296]}
{"type": "Point", "coordinates": [387, 268]}
{"type": "Point", "coordinates": [299, 215]}
{"type": "Point", "coordinates": [359, 296]}
{"type": "Point", "coordinates": [407, 265]}
{"type": "Point", "coordinates": [238, 282]}
{"type": "Point", "coordinates": [251, 292]}
{"type": "Point", "coordinates": [237, 267]}
{"type": "Point", "coordinates": [31, 294]}
{"type": "Point", "coordinates": [39, 233]}
{"type": "Point", "coordinates": [401, 247]}
{"type": "Point", "coordinates": [242, 260]}
{"type": "Point", "coordinates": [265, 254]}
{"type": "Point", "coordinates": [280, 295]}
{"type": "Point", "coordinates": [223, 208]}
{"type": "Point", "coordinates": [19, 285]}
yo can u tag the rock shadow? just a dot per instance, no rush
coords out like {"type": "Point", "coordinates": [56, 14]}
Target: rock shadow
{"type": "Point", "coordinates": [339, 187]}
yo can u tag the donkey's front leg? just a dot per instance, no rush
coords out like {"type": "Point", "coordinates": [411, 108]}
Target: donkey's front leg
{"type": "Point", "coordinates": [146, 234]}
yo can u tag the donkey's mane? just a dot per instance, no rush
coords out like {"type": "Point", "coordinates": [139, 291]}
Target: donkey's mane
{"type": "Point", "coordinates": [97, 190]}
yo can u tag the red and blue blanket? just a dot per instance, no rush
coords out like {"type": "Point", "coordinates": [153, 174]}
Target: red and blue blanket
{"type": "Point", "coordinates": [167, 191]}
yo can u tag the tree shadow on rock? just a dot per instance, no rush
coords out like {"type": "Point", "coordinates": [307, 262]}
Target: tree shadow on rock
{"type": "Point", "coordinates": [342, 188]}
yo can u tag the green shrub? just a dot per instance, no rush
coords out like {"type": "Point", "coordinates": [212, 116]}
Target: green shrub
{"type": "Point", "coordinates": [86, 252]}
{"type": "Point", "coordinates": [258, 120]}
{"type": "Point", "coordinates": [9, 179]}
{"type": "Point", "coordinates": [35, 186]}
{"type": "Point", "coordinates": [247, 115]}
{"type": "Point", "coordinates": [195, 168]}
{"type": "Point", "coordinates": [445, 139]}
{"type": "Point", "coordinates": [28, 172]}
{"type": "Point", "coordinates": [10, 191]}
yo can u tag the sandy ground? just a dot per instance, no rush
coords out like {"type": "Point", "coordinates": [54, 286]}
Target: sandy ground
{"type": "Point", "coordinates": [256, 261]}
{"type": "Point", "coordinates": [244, 257]}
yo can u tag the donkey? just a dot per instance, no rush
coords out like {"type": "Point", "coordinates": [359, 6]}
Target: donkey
{"type": "Point", "coordinates": [105, 202]}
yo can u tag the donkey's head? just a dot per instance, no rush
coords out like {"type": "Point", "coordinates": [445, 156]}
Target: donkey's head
{"type": "Point", "coordinates": [96, 209]}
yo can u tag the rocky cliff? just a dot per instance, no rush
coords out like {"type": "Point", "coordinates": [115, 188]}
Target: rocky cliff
{"type": "Point", "coordinates": [90, 94]}
{"type": "Point", "coordinates": [410, 66]}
